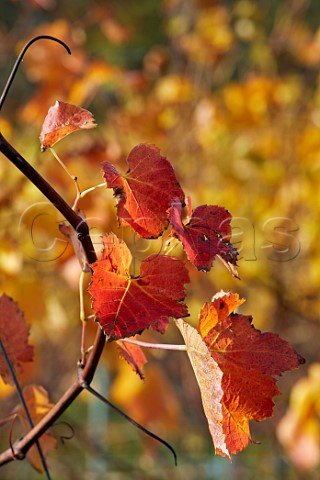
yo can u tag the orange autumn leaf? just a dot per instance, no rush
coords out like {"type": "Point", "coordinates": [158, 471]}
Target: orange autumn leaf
{"type": "Point", "coordinates": [37, 400]}
{"type": "Point", "coordinates": [14, 333]}
{"type": "Point", "coordinates": [235, 365]}
{"type": "Point", "coordinates": [61, 120]}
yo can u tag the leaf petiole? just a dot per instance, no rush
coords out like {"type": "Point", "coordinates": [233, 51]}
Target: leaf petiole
{"type": "Point", "coordinates": [91, 189]}
{"type": "Point", "coordinates": [56, 156]}
{"type": "Point", "coordinates": [82, 194]}
{"type": "Point", "coordinates": [83, 317]}
{"type": "Point", "coordinates": [159, 346]}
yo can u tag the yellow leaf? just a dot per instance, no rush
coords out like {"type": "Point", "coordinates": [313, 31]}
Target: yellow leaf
{"type": "Point", "coordinates": [37, 400]}
{"type": "Point", "coordinates": [299, 429]}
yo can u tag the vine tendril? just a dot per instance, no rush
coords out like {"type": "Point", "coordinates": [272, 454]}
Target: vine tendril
{"type": "Point", "coordinates": [133, 422]}
{"type": "Point", "coordinates": [20, 58]}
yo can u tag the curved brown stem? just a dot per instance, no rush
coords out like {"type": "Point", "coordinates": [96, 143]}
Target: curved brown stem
{"type": "Point", "coordinates": [87, 371]}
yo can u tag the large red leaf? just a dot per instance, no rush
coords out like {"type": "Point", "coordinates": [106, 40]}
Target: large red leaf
{"type": "Point", "coordinates": [61, 120]}
{"type": "Point", "coordinates": [127, 305]}
{"type": "Point", "coordinates": [14, 333]}
{"type": "Point", "coordinates": [145, 192]}
{"type": "Point", "coordinates": [237, 381]}
{"type": "Point", "coordinates": [205, 236]}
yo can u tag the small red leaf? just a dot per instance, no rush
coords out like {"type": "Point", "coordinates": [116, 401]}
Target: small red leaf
{"type": "Point", "coordinates": [127, 305]}
{"type": "Point", "coordinates": [134, 355]}
{"type": "Point", "coordinates": [61, 120]}
{"type": "Point", "coordinates": [145, 192]}
{"type": "Point", "coordinates": [14, 333]}
{"type": "Point", "coordinates": [205, 236]}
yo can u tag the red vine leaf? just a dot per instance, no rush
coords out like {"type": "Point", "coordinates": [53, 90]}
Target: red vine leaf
{"type": "Point", "coordinates": [14, 333]}
{"type": "Point", "coordinates": [37, 400]}
{"type": "Point", "coordinates": [134, 355]}
{"type": "Point", "coordinates": [126, 305]}
{"type": "Point", "coordinates": [145, 192]}
{"type": "Point", "coordinates": [61, 120]}
{"type": "Point", "coordinates": [205, 236]}
{"type": "Point", "coordinates": [235, 365]}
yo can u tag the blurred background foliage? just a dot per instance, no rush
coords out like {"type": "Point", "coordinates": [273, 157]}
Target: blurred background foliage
{"type": "Point", "coordinates": [229, 91]}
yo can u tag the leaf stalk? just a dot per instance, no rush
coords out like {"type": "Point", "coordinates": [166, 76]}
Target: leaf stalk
{"type": "Point", "coordinates": [159, 346]}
